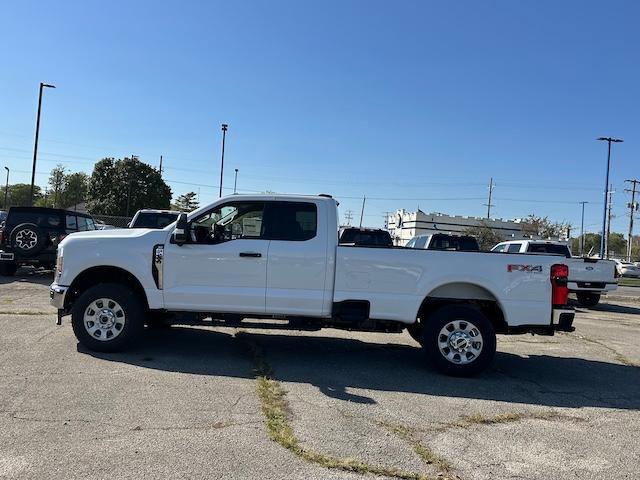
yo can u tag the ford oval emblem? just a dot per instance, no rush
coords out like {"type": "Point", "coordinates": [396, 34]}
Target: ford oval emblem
{"type": "Point", "coordinates": [589, 268]}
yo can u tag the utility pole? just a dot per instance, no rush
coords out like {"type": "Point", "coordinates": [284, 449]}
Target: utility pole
{"type": "Point", "coordinates": [488, 204]}
{"type": "Point", "coordinates": [35, 145]}
{"type": "Point", "coordinates": [160, 170]}
{"type": "Point", "coordinates": [582, 229]}
{"type": "Point", "coordinates": [609, 217]}
{"type": "Point", "coordinates": [364, 199]}
{"type": "Point", "coordinates": [609, 140]}
{"type": "Point", "coordinates": [6, 191]}
{"type": "Point", "coordinates": [348, 216]}
{"type": "Point", "coordinates": [386, 220]}
{"type": "Point", "coordinates": [224, 135]}
{"type": "Point", "coordinates": [633, 207]}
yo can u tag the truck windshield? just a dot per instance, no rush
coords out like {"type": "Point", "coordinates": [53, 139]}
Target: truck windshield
{"type": "Point", "coordinates": [154, 220]}
{"type": "Point", "coordinates": [454, 242]}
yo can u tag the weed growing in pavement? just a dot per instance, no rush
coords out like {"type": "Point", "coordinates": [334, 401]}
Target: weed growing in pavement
{"type": "Point", "coordinates": [276, 412]}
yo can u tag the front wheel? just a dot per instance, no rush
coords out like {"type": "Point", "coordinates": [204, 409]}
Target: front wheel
{"type": "Point", "coordinates": [459, 340]}
{"type": "Point", "coordinates": [588, 299]}
{"type": "Point", "coordinates": [107, 317]}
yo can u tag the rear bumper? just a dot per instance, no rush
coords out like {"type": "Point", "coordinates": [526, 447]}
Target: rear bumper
{"type": "Point", "coordinates": [599, 287]}
{"type": "Point", "coordinates": [562, 319]}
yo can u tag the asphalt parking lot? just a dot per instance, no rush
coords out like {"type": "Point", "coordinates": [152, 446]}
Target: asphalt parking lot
{"type": "Point", "coordinates": [211, 402]}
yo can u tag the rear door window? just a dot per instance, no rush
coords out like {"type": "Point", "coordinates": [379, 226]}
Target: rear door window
{"type": "Point", "coordinates": [421, 242]}
{"type": "Point", "coordinates": [550, 248]}
{"type": "Point", "coordinates": [41, 219]}
{"type": "Point", "coordinates": [291, 221]}
{"type": "Point", "coordinates": [72, 223]}
{"type": "Point", "coordinates": [514, 248]}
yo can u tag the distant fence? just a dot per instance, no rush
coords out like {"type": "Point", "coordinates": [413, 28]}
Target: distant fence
{"type": "Point", "coordinates": [118, 222]}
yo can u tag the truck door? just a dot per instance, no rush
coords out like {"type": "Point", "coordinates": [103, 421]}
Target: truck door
{"type": "Point", "coordinates": [223, 266]}
{"type": "Point", "coordinates": [297, 265]}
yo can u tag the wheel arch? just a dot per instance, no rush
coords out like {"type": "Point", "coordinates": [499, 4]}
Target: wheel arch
{"type": "Point", "coordinates": [103, 274]}
{"type": "Point", "coordinates": [464, 293]}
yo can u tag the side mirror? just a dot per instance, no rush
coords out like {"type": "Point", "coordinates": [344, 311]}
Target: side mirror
{"type": "Point", "coordinates": [180, 232]}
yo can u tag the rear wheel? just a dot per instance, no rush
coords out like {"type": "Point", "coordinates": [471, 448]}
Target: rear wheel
{"type": "Point", "coordinates": [8, 269]}
{"type": "Point", "coordinates": [107, 317]}
{"type": "Point", "coordinates": [459, 340]}
{"type": "Point", "coordinates": [588, 299]}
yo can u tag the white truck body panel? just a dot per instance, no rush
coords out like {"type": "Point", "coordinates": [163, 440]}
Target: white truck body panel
{"type": "Point", "coordinates": [306, 278]}
{"type": "Point", "coordinates": [585, 274]}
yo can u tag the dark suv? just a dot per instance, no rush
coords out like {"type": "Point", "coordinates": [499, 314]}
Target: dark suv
{"type": "Point", "coordinates": [30, 235]}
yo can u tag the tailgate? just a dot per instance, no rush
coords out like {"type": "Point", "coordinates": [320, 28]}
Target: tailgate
{"type": "Point", "coordinates": [591, 270]}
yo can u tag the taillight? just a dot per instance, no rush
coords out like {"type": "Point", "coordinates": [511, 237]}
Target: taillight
{"type": "Point", "coordinates": [559, 284]}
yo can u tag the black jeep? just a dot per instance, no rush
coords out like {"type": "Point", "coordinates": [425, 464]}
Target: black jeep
{"type": "Point", "coordinates": [30, 235]}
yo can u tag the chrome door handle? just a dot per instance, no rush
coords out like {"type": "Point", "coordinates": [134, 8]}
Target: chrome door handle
{"type": "Point", "coordinates": [250, 254]}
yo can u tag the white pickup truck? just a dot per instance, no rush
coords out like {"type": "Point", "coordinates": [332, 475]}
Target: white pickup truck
{"type": "Point", "coordinates": [589, 278]}
{"type": "Point", "coordinates": [268, 256]}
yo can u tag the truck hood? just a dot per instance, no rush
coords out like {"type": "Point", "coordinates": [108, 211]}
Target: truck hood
{"type": "Point", "coordinates": [115, 235]}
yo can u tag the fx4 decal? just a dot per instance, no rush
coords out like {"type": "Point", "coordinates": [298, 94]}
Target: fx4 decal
{"type": "Point", "coordinates": [524, 268]}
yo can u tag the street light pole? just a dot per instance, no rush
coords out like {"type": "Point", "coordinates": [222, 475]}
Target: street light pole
{"type": "Point", "coordinates": [224, 135]}
{"type": "Point", "coordinates": [582, 230]}
{"type": "Point", "coordinates": [35, 146]}
{"type": "Point", "coordinates": [235, 182]}
{"type": "Point", "coordinates": [6, 191]}
{"type": "Point", "coordinates": [606, 191]}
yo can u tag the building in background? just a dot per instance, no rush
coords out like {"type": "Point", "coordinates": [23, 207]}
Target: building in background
{"type": "Point", "coordinates": [404, 225]}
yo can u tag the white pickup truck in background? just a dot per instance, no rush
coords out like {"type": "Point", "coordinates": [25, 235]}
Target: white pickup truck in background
{"type": "Point", "coordinates": [589, 278]}
{"type": "Point", "coordinates": [265, 256]}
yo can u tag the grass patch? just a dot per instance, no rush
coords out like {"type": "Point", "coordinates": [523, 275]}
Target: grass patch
{"type": "Point", "coordinates": [427, 455]}
{"type": "Point", "coordinates": [479, 419]}
{"type": "Point", "coordinates": [616, 354]}
{"type": "Point", "coordinates": [629, 282]}
{"type": "Point", "coordinates": [276, 411]}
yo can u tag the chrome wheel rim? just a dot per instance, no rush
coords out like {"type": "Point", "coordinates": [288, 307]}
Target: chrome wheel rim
{"type": "Point", "coordinates": [104, 319]}
{"type": "Point", "coordinates": [460, 342]}
{"type": "Point", "coordinates": [26, 239]}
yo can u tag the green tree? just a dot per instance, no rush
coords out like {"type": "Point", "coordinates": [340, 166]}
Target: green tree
{"type": "Point", "coordinates": [617, 244]}
{"type": "Point", "coordinates": [121, 187]}
{"type": "Point", "coordinates": [486, 236]}
{"type": "Point", "coordinates": [186, 202]}
{"type": "Point", "coordinates": [57, 179]}
{"type": "Point", "coordinates": [591, 244]}
{"type": "Point", "coordinates": [19, 195]}
{"type": "Point", "coordinates": [543, 227]}
{"type": "Point", "coordinates": [75, 189]}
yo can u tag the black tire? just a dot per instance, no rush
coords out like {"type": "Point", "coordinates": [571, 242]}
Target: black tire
{"type": "Point", "coordinates": [8, 269]}
{"type": "Point", "coordinates": [131, 307]}
{"type": "Point", "coordinates": [469, 317]}
{"type": "Point", "coordinates": [158, 320]}
{"type": "Point", "coordinates": [588, 299]}
{"type": "Point", "coordinates": [27, 240]}
{"type": "Point", "coordinates": [415, 331]}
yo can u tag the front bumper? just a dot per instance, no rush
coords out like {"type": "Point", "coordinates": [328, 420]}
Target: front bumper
{"type": "Point", "coordinates": [56, 295]}
{"type": "Point", "coordinates": [562, 319]}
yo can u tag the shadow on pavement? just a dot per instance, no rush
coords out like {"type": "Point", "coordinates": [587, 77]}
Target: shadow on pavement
{"type": "Point", "coordinates": [336, 365]}
{"type": "Point", "coordinates": [29, 275]}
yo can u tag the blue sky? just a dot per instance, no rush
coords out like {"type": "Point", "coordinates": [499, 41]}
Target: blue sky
{"type": "Point", "coordinates": [414, 103]}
